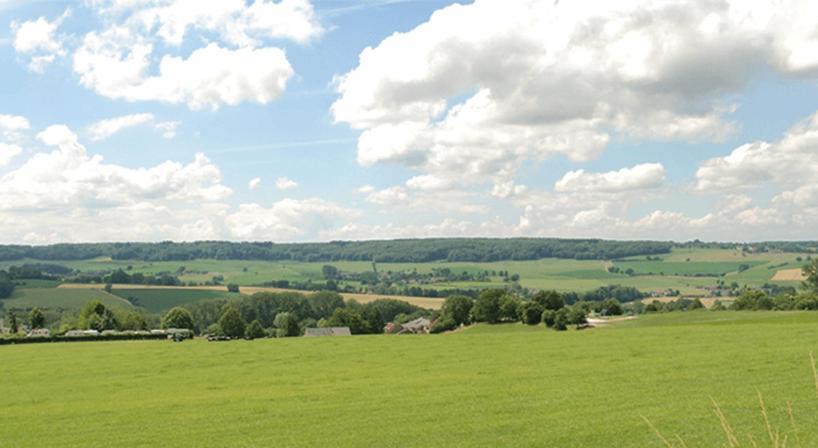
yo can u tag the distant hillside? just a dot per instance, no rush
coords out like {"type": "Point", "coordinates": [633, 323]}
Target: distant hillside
{"type": "Point", "coordinates": [409, 250]}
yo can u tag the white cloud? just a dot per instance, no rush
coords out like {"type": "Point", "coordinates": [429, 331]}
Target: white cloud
{"type": "Point", "coordinates": [366, 189]}
{"type": "Point", "coordinates": [39, 40]}
{"type": "Point", "coordinates": [104, 129]}
{"type": "Point", "coordinates": [8, 152]}
{"type": "Point", "coordinates": [254, 183]}
{"type": "Point", "coordinates": [388, 196]}
{"type": "Point", "coordinates": [70, 178]}
{"type": "Point", "coordinates": [168, 128]}
{"type": "Point", "coordinates": [242, 75]}
{"type": "Point", "coordinates": [283, 183]}
{"type": "Point", "coordinates": [118, 61]}
{"type": "Point", "coordinates": [639, 177]}
{"type": "Point", "coordinates": [12, 125]}
{"type": "Point", "coordinates": [288, 219]}
{"type": "Point", "coordinates": [542, 79]}
{"type": "Point", "coordinates": [793, 160]}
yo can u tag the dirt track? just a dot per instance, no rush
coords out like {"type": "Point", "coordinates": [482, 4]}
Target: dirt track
{"type": "Point", "coordinates": [423, 302]}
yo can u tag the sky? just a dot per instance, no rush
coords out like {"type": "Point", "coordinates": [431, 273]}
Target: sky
{"type": "Point", "coordinates": [298, 120]}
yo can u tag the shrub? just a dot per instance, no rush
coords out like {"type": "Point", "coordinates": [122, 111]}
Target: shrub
{"type": "Point", "coordinates": [445, 323]}
{"type": "Point", "coordinates": [611, 307]}
{"type": "Point", "coordinates": [548, 317]}
{"type": "Point", "coordinates": [561, 321]}
{"type": "Point", "coordinates": [577, 316]}
{"type": "Point", "coordinates": [286, 325]}
{"type": "Point", "coordinates": [531, 313]}
{"type": "Point", "coordinates": [232, 287]}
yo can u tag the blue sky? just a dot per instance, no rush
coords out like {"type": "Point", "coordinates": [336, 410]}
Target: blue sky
{"type": "Point", "coordinates": [304, 121]}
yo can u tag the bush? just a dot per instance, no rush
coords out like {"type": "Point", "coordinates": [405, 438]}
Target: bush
{"type": "Point", "coordinates": [445, 323]}
{"type": "Point", "coordinates": [561, 320]}
{"type": "Point", "coordinates": [548, 317]}
{"type": "Point", "coordinates": [254, 330]}
{"type": "Point", "coordinates": [232, 287]}
{"type": "Point", "coordinates": [531, 313]}
{"type": "Point", "coordinates": [178, 317]}
{"type": "Point", "coordinates": [611, 307]}
{"type": "Point", "coordinates": [577, 316]}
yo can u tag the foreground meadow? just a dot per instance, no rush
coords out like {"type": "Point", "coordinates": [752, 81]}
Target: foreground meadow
{"type": "Point", "coordinates": [505, 385]}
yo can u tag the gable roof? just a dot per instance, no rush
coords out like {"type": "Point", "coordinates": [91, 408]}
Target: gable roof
{"type": "Point", "coordinates": [331, 331]}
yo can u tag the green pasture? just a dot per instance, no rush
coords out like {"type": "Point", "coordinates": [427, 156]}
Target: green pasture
{"type": "Point", "coordinates": [488, 386]}
{"type": "Point", "coordinates": [160, 300]}
{"type": "Point", "coordinates": [25, 298]}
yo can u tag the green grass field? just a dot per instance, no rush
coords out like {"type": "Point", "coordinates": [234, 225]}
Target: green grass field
{"type": "Point", "coordinates": [53, 298]}
{"type": "Point", "coordinates": [161, 300]}
{"type": "Point", "coordinates": [507, 385]}
{"type": "Point", "coordinates": [676, 270]}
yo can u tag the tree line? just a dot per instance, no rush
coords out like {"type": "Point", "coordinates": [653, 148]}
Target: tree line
{"type": "Point", "coordinates": [406, 250]}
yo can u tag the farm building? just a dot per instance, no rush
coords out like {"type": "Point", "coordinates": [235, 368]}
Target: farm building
{"type": "Point", "coordinates": [420, 325]}
{"type": "Point", "coordinates": [331, 331]}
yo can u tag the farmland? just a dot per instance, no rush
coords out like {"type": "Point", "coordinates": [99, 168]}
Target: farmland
{"type": "Point", "coordinates": [468, 388]}
{"type": "Point", "coordinates": [687, 270]}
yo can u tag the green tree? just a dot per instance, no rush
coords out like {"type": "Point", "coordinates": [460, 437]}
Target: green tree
{"type": "Point", "coordinates": [324, 303]}
{"type": "Point", "coordinates": [487, 306]}
{"type": "Point", "coordinates": [561, 320]}
{"type": "Point", "coordinates": [811, 273]}
{"type": "Point", "coordinates": [232, 287]}
{"type": "Point", "coordinates": [531, 313]}
{"type": "Point", "coordinates": [509, 308]}
{"type": "Point", "coordinates": [329, 272]}
{"type": "Point", "coordinates": [347, 317]}
{"type": "Point", "coordinates": [753, 300]}
{"type": "Point", "coordinates": [611, 307]}
{"type": "Point", "coordinates": [36, 318]}
{"type": "Point", "coordinates": [444, 323]}
{"type": "Point", "coordinates": [178, 317]}
{"type": "Point", "coordinates": [232, 323]}
{"type": "Point", "coordinates": [458, 308]}
{"type": "Point", "coordinates": [12, 321]}
{"type": "Point", "coordinates": [577, 316]}
{"type": "Point", "coordinates": [6, 285]}
{"type": "Point", "coordinates": [548, 317]}
{"type": "Point", "coordinates": [286, 325]}
{"type": "Point", "coordinates": [96, 316]}
{"type": "Point", "coordinates": [254, 330]}
{"type": "Point", "coordinates": [550, 300]}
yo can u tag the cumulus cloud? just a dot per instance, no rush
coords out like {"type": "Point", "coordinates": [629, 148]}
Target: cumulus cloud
{"type": "Point", "coordinates": [639, 177]}
{"type": "Point", "coordinates": [38, 39]}
{"type": "Point", "coordinates": [8, 152]}
{"type": "Point", "coordinates": [254, 183]}
{"type": "Point", "coordinates": [789, 161]}
{"type": "Point", "coordinates": [69, 177]}
{"type": "Point", "coordinates": [104, 129]}
{"type": "Point", "coordinates": [478, 89]}
{"type": "Point", "coordinates": [120, 61]}
{"type": "Point", "coordinates": [12, 125]}
{"type": "Point", "coordinates": [283, 183]}
{"type": "Point", "coordinates": [288, 219]}
{"type": "Point", "coordinates": [210, 77]}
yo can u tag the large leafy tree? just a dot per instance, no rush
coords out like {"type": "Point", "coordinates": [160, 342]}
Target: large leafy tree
{"type": "Point", "coordinates": [458, 308]}
{"type": "Point", "coordinates": [232, 323]}
{"type": "Point", "coordinates": [487, 306]}
{"type": "Point", "coordinates": [811, 274]}
{"type": "Point", "coordinates": [178, 317]}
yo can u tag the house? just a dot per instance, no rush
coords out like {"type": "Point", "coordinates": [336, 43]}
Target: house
{"type": "Point", "coordinates": [420, 325]}
{"type": "Point", "coordinates": [330, 331]}
{"type": "Point", "coordinates": [39, 333]}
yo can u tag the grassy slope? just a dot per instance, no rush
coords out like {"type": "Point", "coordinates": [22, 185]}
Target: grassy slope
{"type": "Point", "coordinates": [488, 386]}
{"type": "Point", "coordinates": [161, 300]}
{"type": "Point", "coordinates": [51, 298]}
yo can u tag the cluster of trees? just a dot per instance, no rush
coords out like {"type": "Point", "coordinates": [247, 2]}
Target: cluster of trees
{"type": "Point", "coordinates": [499, 306]}
{"type": "Point", "coordinates": [408, 250]}
{"type": "Point", "coordinates": [681, 304]}
{"type": "Point", "coordinates": [6, 285]}
{"type": "Point", "coordinates": [288, 314]}
{"type": "Point", "coordinates": [120, 276]}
